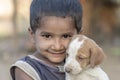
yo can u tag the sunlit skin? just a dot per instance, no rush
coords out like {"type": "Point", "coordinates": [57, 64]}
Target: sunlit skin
{"type": "Point", "coordinates": [52, 38]}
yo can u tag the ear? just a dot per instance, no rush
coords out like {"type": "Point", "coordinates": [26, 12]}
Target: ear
{"type": "Point", "coordinates": [32, 34]}
{"type": "Point", "coordinates": [97, 56]}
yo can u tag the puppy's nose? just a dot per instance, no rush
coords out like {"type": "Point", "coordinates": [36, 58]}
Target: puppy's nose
{"type": "Point", "coordinates": [68, 70]}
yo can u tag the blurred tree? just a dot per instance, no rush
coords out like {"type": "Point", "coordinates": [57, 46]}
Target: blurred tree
{"type": "Point", "coordinates": [15, 30]}
{"type": "Point", "coordinates": [14, 19]}
{"type": "Point", "coordinates": [99, 16]}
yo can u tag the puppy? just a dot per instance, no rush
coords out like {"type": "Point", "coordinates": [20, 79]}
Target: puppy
{"type": "Point", "coordinates": [83, 59]}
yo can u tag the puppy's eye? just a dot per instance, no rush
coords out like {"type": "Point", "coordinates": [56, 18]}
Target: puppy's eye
{"type": "Point", "coordinates": [67, 55]}
{"type": "Point", "coordinates": [80, 58]}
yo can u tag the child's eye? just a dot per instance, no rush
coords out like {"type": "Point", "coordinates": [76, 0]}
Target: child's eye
{"type": "Point", "coordinates": [66, 36]}
{"type": "Point", "coordinates": [47, 36]}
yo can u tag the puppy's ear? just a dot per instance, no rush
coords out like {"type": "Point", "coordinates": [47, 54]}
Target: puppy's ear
{"type": "Point", "coordinates": [97, 56]}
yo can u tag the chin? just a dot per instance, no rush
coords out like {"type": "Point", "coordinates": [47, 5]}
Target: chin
{"type": "Point", "coordinates": [57, 61]}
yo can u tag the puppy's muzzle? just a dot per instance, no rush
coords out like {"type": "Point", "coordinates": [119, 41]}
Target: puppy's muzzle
{"type": "Point", "coordinates": [68, 69]}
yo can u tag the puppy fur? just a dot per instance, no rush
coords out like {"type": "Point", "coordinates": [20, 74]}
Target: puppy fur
{"type": "Point", "coordinates": [83, 58]}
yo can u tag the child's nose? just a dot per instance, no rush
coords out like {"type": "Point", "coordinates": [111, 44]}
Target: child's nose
{"type": "Point", "coordinates": [57, 45]}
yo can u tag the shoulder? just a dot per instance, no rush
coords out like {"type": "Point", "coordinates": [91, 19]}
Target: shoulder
{"type": "Point", "coordinates": [22, 67]}
{"type": "Point", "coordinates": [21, 75]}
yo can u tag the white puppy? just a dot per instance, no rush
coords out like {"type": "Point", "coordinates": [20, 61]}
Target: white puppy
{"type": "Point", "coordinates": [83, 59]}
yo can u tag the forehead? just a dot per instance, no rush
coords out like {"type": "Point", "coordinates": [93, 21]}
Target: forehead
{"type": "Point", "coordinates": [57, 24]}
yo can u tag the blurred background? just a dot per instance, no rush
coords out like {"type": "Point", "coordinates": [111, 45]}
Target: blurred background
{"type": "Point", "coordinates": [101, 22]}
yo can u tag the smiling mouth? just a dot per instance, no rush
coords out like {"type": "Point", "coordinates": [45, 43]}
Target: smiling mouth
{"type": "Point", "coordinates": [57, 53]}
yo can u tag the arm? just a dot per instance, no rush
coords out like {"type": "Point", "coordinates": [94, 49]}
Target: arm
{"type": "Point", "coordinates": [21, 75]}
{"type": "Point", "coordinates": [23, 71]}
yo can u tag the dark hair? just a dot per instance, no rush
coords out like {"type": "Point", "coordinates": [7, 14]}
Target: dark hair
{"type": "Point", "coordinates": [59, 8]}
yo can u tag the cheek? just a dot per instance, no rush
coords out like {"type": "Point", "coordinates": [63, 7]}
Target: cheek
{"type": "Point", "coordinates": [66, 43]}
{"type": "Point", "coordinates": [42, 44]}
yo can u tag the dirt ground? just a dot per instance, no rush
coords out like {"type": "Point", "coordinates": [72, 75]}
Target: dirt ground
{"type": "Point", "coordinates": [10, 52]}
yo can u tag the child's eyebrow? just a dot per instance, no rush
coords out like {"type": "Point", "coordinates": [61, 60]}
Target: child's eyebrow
{"type": "Point", "coordinates": [68, 33]}
{"type": "Point", "coordinates": [45, 32]}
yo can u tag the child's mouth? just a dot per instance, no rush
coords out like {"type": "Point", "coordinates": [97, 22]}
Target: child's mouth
{"type": "Point", "coordinates": [57, 53]}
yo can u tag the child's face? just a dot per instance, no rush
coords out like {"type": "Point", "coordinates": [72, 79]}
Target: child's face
{"type": "Point", "coordinates": [52, 38]}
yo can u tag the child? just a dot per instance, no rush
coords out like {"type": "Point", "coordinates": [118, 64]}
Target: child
{"type": "Point", "coordinates": [52, 24]}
